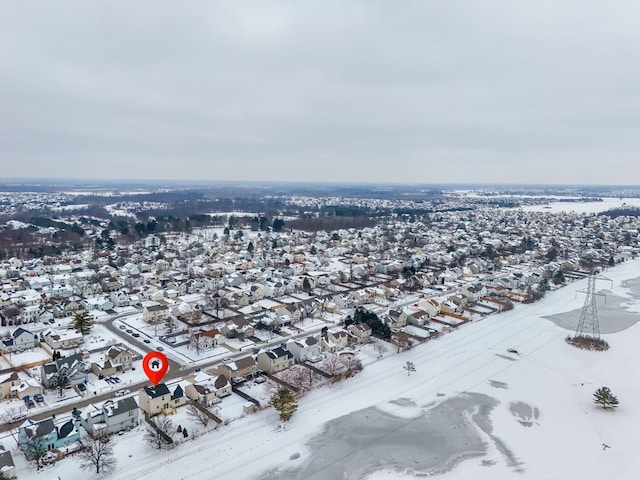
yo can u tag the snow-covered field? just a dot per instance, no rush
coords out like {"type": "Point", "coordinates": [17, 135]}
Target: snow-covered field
{"type": "Point", "coordinates": [469, 411]}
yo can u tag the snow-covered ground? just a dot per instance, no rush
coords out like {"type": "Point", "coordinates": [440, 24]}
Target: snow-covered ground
{"type": "Point", "coordinates": [607, 203]}
{"type": "Point", "coordinates": [469, 411]}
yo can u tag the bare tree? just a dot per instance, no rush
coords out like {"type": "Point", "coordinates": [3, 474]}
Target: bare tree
{"type": "Point", "coordinates": [380, 348]}
{"type": "Point", "coordinates": [198, 415]}
{"type": "Point", "coordinates": [62, 379]}
{"type": "Point", "coordinates": [332, 364]}
{"type": "Point", "coordinates": [196, 342]}
{"type": "Point", "coordinates": [296, 376]}
{"type": "Point", "coordinates": [97, 453]}
{"type": "Point", "coordinates": [409, 367]}
{"type": "Point", "coordinates": [11, 312]}
{"type": "Point", "coordinates": [157, 437]}
{"type": "Point", "coordinates": [351, 363]}
{"type": "Point", "coordinates": [34, 449]}
{"type": "Point", "coordinates": [403, 341]}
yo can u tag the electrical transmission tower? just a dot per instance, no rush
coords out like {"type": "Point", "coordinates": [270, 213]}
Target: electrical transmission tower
{"type": "Point", "coordinates": [587, 333]}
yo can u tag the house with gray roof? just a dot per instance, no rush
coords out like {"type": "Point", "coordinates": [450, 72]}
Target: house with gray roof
{"type": "Point", "coordinates": [73, 368]}
{"type": "Point", "coordinates": [112, 417]}
{"type": "Point", "coordinates": [51, 434]}
{"type": "Point", "coordinates": [7, 468]}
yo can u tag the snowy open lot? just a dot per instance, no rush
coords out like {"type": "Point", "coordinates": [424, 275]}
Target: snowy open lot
{"type": "Point", "coordinates": [469, 411]}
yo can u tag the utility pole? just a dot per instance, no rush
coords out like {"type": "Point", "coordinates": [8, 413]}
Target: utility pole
{"type": "Point", "coordinates": [587, 334]}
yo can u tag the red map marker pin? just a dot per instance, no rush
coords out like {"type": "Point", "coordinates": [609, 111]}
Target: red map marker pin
{"type": "Point", "coordinates": [155, 365]}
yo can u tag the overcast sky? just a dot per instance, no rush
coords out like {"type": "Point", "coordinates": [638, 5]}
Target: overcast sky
{"type": "Point", "coordinates": [543, 91]}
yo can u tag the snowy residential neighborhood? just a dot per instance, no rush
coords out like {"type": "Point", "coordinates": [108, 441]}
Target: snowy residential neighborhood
{"type": "Point", "coordinates": [429, 342]}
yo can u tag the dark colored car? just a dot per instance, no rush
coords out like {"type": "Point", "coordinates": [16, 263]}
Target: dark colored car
{"type": "Point", "coordinates": [82, 387]}
{"type": "Point", "coordinates": [135, 334]}
{"type": "Point", "coordinates": [38, 398]}
{"type": "Point", "coordinates": [29, 403]}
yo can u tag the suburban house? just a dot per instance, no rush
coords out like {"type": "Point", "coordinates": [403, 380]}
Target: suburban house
{"type": "Point", "coordinates": [97, 303]}
{"type": "Point", "coordinates": [417, 317]}
{"type": "Point", "coordinates": [120, 298]}
{"type": "Point", "coordinates": [27, 387]}
{"type": "Point", "coordinates": [334, 341]}
{"type": "Point", "coordinates": [237, 328]}
{"type": "Point", "coordinates": [19, 340]}
{"type": "Point", "coordinates": [304, 349]}
{"type": "Point", "coordinates": [241, 367]}
{"type": "Point", "coordinates": [161, 398]}
{"type": "Point", "coordinates": [114, 416]}
{"type": "Point", "coordinates": [206, 388]}
{"type": "Point", "coordinates": [48, 433]}
{"type": "Point", "coordinates": [206, 339]}
{"type": "Point", "coordinates": [275, 360]}
{"type": "Point", "coordinates": [7, 382]}
{"type": "Point", "coordinates": [116, 360]}
{"type": "Point", "coordinates": [73, 368]}
{"type": "Point", "coordinates": [397, 319]}
{"type": "Point", "coordinates": [66, 307]}
{"type": "Point", "coordinates": [360, 333]}
{"type": "Point", "coordinates": [63, 340]}
{"type": "Point", "coordinates": [7, 467]}
{"type": "Point", "coordinates": [155, 313]}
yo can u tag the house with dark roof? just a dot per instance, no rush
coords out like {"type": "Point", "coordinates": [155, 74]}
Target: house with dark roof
{"type": "Point", "coordinates": [50, 434]}
{"type": "Point", "coordinates": [116, 360]}
{"type": "Point", "coordinates": [112, 417]}
{"type": "Point", "coordinates": [155, 313]}
{"type": "Point", "coordinates": [304, 349]}
{"type": "Point", "coordinates": [275, 360]}
{"type": "Point", "coordinates": [206, 389]}
{"type": "Point", "coordinates": [19, 340]}
{"type": "Point", "coordinates": [7, 467]}
{"type": "Point", "coordinates": [73, 368]}
{"type": "Point", "coordinates": [242, 367]}
{"type": "Point", "coordinates": [162, 398]}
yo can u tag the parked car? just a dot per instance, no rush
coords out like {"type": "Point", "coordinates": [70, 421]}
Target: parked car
{"type": "Point", "coordinates": [159, 348]}
{"type": "Point", "coordinates": [260, 379]}
{"type": "Point", "coordinates": [129, 331]}
{"type": "Point", "coordinates": [122, 327]}
{"type": "Point", "coordinates": [146, 340]}
{"type": "Point", "coordinates": [82, 387]}
{"type": "Point", "coordinates": [29, 403]}
{"type": "Point", "coordinates": [38, 398]}
{"type": "Point", "coordinates": [135, 334]}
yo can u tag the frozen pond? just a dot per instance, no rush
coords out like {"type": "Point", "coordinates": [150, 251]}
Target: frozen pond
{"type": "Point", "coordinates": [403, 437]}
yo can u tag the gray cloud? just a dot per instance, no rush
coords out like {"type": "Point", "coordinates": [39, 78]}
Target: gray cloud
{"type": "Point", "coordinates": [414, 91]}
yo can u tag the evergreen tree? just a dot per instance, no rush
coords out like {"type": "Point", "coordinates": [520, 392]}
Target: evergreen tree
{"type": "Point", "coordinates": [278, 223]}
{"type": "Point", "coordinates": [82, 322]}
{"type": "Point", "coordinates": [284, 402]}
{"type": "Point", "coordinates": [306, 286]}
{"type": "Point", "coordinates": [313, 250]}
{"type": "Point", "coordinates": [558, 278]}
{"type": "Point", "coordinates": [605, 398]}
{"type": "Point", "coordinates": [185, 434]}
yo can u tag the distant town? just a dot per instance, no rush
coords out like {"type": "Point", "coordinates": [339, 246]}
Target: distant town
{"type": "Point", "coordinates": [255, 290]}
